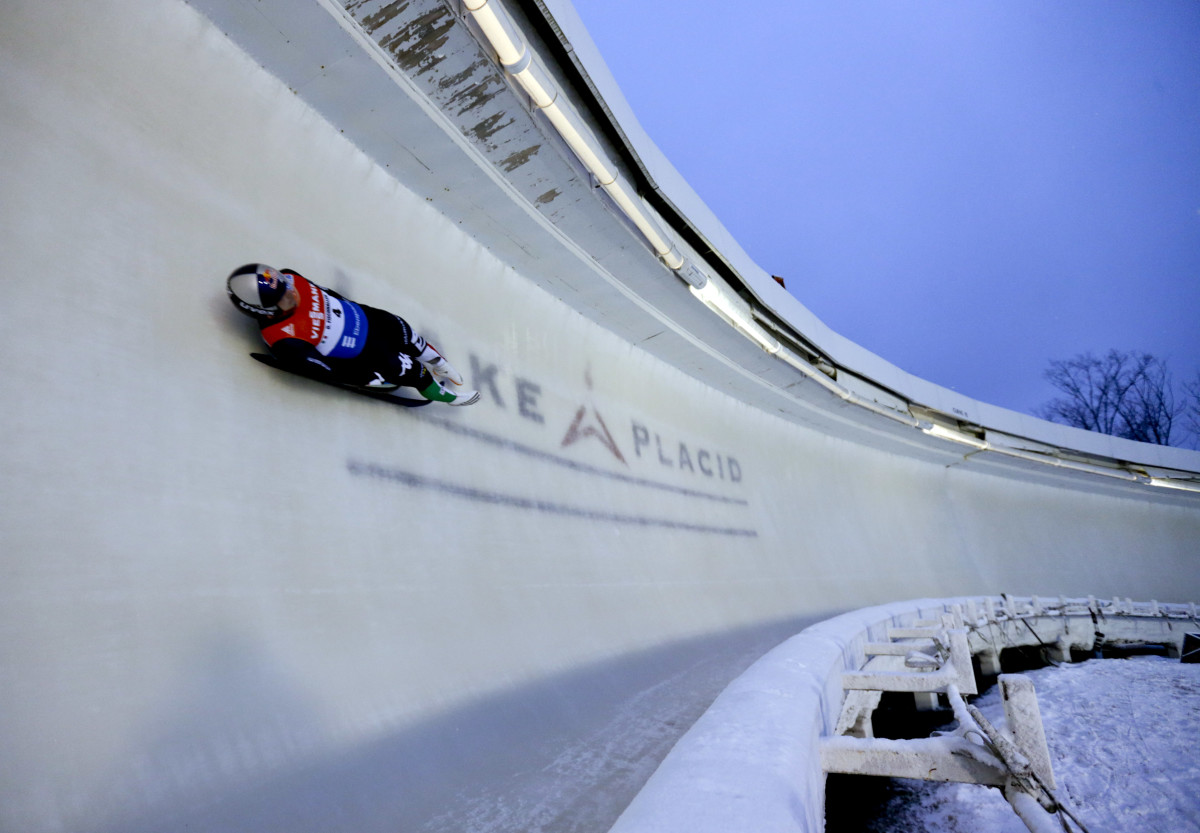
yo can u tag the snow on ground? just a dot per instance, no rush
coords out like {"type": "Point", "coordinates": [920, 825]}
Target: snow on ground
{"type": "Point", "coordinates": [1124, 738]}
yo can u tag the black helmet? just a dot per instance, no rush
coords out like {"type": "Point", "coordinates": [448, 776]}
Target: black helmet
{"type": "Point", "coordinates": [256, 289]}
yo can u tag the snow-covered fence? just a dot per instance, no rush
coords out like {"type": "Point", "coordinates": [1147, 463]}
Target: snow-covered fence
{"type": "Point", "coordinates": [753, 761]}
{"type": "Point", "coordinates": [931, 660]}
{"type": "Point", "coordinates": [1062, 625]}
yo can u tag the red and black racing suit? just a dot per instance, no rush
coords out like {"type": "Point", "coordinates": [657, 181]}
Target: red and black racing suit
{"type": "Point", "coordinates": [331, 337]}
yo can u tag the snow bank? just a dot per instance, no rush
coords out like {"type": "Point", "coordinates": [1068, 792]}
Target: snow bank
{"type": "Point", "coordinates": [1122, 737]}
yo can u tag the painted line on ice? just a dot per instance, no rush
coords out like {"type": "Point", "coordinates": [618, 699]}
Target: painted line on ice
{"type": "Point", "coordinates": [419, 481]}
{"type": "Point", "coordinates": [529, 451]}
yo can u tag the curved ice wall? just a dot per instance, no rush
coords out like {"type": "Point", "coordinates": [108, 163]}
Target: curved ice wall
{"type": "Point", "coordinates": [236, 600]}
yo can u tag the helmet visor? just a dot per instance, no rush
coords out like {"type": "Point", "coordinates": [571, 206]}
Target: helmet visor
{"type": "Point", "coordinates": [271, 288]}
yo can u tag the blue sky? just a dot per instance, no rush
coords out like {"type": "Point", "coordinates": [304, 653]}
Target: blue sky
{"type": "Point", "coordinates": [968, 189]}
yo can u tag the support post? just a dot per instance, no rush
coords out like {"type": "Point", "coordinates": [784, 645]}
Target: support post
{"type": "Point", "coordinates": [1024, 720]}
{"type": "Point", "coordinates": [926, 701]}
{"type": "Point", "coordinates": [1060, 651]}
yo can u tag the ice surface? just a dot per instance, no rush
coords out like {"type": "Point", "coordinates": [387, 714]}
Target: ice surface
{"type": "Point", "coordinates": [1123, 737]}
{"type": "Point", "coordinates": [450, 616]}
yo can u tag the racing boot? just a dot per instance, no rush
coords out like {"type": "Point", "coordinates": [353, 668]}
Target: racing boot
{"type": "Point", "coordinates": [436, 364]}
{"type": "Point", "coordinates": [466, 397]}
{"type": "Point", "coordinates": [438, 391]}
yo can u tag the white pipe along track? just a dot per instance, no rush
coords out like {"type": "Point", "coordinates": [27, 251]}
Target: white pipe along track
{"type": "Point", "coordinates": [238, 600]}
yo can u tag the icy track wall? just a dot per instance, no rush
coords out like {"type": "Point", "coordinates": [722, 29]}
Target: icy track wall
{"type": "Point", "coordinates": [236, 600]}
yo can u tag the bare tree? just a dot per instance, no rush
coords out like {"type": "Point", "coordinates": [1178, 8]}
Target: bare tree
{"type": "Point", "coordinates": [1127, 395]}
{"type": "Point", "coordinates": [1192, 407]}
{"type": "Point", "coordinates": [1094, 390]}
{"type": "Point", "coordinates": [1149, 409]}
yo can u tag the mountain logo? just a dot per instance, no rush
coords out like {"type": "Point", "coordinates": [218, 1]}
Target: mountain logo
{"type": "Point", "coordinates": [594, 427]}
{"type": "Point", "coordinates": [584, 426]}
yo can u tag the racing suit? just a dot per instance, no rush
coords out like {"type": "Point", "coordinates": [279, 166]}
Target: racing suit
{"type": "Point", "coordinates": [330, 337]}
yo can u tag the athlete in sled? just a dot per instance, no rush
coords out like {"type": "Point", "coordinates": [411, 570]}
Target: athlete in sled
{"type": "Point", "coordinates": [318, 333]}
